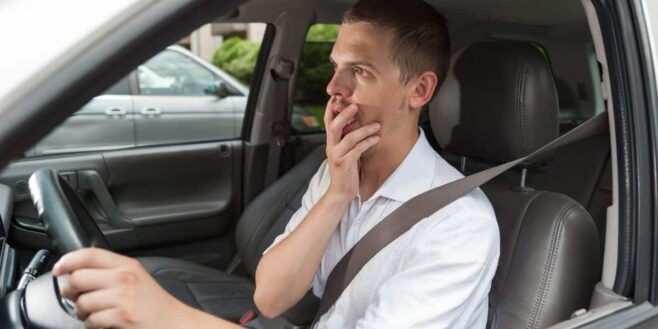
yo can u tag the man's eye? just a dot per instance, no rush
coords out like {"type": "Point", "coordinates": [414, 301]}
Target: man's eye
{"type": "Point", "coordinates": [360, 71]}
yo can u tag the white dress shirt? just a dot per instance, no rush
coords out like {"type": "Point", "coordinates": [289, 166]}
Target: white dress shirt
{"type": "Point", "coordinates": [436, 275]}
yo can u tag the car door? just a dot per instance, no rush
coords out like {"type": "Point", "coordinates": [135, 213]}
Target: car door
{"type": "Point", "coordinates": [178, 101]}
{"type": "Point", "coordinates": [175, 190]}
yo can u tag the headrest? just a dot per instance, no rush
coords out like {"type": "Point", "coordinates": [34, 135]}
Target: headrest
{"type": "Point", "coordinates": [498, 102]}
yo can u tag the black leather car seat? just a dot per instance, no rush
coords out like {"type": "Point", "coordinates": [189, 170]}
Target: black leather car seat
{"type": "Point", "coordinates": [499, 103]}
{"type": "Point", "coordinates": [226, 295]}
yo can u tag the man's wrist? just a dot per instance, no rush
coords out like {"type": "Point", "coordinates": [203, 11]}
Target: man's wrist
{"type": "Point", "coordinates": [335, 199]}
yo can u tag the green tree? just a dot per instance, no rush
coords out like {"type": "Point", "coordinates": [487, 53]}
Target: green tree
{"type": "Point", "coordinates": [315, 70]}
{"type": "Point", "coordinates": [322, 32]}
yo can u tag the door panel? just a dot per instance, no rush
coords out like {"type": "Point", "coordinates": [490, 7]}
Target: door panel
{"type": "Point", "coordinates": [176, 185]}
{"type": "Point", "coordinates": [143, 198]}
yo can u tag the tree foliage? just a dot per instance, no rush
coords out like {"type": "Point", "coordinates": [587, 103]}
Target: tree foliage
{"type": "Point", "coordinates": [238, 56]}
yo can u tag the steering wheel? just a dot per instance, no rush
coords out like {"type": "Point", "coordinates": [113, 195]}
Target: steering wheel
{"type": "Point", "coordinates": [67, 221]}
{"type": "Point", "coordinates": [71, 227]}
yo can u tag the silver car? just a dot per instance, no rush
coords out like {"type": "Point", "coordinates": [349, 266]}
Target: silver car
{"type": "Point", "coordinates": [175, 97]}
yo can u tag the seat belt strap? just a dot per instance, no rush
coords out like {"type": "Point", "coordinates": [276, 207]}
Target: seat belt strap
{"type": "Point", "coordinates": [281, 74]}
{"type": "Point", "coordinates": [427, 203]}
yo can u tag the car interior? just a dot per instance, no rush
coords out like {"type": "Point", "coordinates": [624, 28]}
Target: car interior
{"type": "Point", "coordinates": [198, 215]}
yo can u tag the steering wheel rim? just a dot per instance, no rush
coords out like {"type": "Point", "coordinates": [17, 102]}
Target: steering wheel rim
{"type": "Point", "coordinates": [67, 221]}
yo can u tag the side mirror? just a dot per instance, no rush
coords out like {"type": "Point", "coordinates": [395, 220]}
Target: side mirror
{"type": "Point", "coordinates": [219, 88]}
{"type": "Point", "coordinates": [222, 89]}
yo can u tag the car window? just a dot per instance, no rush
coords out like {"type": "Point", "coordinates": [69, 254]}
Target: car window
{"type": "Point", "coordinates": [315, 71]}
{"type": "Point", "coordinates": [193, 91]}
{"type": "Point", "coordinates": [172, 73]}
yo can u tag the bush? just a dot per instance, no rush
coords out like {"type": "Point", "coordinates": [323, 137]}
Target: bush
{"type": "Point", "coordinates": [322, 32]}
{"type": "Point", "coordinates": [238, 58]}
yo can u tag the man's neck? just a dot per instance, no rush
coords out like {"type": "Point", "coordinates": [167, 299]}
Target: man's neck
{"type": "Point", "coordinates": [377, 167]}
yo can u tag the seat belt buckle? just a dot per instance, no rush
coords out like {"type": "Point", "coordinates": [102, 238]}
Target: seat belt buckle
{"type": "Point", "coordinates": [247, 317]}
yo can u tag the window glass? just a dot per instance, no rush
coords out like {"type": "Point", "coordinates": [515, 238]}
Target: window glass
{"type": "Point", "coordinates": [172, 73]}
{"type": "Point", "coordinates": [190, 92]}
{"type": "Point", "coordinates": [315, 72]}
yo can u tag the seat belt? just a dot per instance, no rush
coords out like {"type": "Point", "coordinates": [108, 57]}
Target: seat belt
{"type": "Point", "coordinates": [281, 73]}
{"type": "Point", "coordinates": [427, 203]}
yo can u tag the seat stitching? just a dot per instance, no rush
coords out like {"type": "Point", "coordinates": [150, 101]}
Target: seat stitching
{"type": "Point", "coordinates": [523, 112]}
{"type": "Point", "coordinates": [516, 240]}
{"type": "Point", "coordinates": [549, 266]}
{"type": "Point", "coordinates": [520, 106]}
{"type": "Point", "coordinates": [193, 296]}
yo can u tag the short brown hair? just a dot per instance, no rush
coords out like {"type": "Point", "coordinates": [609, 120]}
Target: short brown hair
{"type": "Point", "coordinates": [420, 43]}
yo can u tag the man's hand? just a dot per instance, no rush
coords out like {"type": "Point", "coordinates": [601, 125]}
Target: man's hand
{"type": "Point", "coordinates": [343, 152]}
{"type": "Point", "coordinates": [114, 291]}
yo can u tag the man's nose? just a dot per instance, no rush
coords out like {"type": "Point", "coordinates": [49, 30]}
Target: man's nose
{"type": "Point", "coordinates": [339, 86]}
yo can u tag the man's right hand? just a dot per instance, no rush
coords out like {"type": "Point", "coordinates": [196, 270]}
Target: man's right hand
{"type": "Point", "coordinates": [286, 271]}
{"type": "Point", "coordinates": [344, 152]}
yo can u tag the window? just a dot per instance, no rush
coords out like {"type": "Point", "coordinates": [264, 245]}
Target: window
{"type": "Point", "coordinates": [171, 73]}
{"type": "Point", "coordinates": [315, 72]}
{"type": "Point", "coordinates": [176, 97]}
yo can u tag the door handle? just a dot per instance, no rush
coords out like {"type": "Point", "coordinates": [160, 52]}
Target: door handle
{"type": "Point", "coordinates": [151, 111]}
{"type": "Point", "coordinates": [115, 112]}
{"type": "Point", "coordinates": [92, 181]}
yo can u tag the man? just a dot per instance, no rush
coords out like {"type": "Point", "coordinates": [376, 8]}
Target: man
{"type": "Point", "coordinates": [390, 58]}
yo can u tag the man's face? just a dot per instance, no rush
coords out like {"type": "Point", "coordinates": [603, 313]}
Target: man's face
{"type": "Point", "coordinates": [366, 75]}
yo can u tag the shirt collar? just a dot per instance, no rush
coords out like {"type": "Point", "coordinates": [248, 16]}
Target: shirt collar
{"type": "Point", "coordinates": [414, 174]}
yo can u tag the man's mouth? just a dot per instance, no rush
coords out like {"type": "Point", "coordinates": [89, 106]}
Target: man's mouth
{"type": "Point", "coordinates": [349, 127]}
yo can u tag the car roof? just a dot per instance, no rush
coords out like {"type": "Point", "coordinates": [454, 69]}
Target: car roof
{"type": "Point", "coordinates": [458, 12]}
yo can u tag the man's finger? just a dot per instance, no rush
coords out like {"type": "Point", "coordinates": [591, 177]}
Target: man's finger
{"type": "Point", "coordinates": [87, 258]}
{"type": "Point", "coordinates": [84, 280]}
{"type": "Point", "coordinates": [335, 127]}
{"type": "Point", "coordinates": [99, 300]}
{"type": "Point", "coordinates": [353, 138]}
{"type": "Point", "coordinates": [328, 114]}
{"type": "Point", "coordinates": [361, 147]}
{"type": "Point", "coordinates": [108, 318]}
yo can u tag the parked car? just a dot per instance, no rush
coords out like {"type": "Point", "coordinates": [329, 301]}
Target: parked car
{"type": "Point", "coordinates": [175, 97]}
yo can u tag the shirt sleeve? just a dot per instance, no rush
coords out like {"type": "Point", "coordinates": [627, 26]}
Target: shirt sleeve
{"type": "Point", "coordinates": [316, 188]}
{"type": "Point", "coordinates": [443, 280]}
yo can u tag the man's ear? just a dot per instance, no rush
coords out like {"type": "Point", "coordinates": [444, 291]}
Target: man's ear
{"type": "Point", "coordinates": [422, 89]}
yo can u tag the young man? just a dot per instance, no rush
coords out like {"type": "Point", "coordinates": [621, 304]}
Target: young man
{"type": "Point", "coordinates": [390, 57]}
